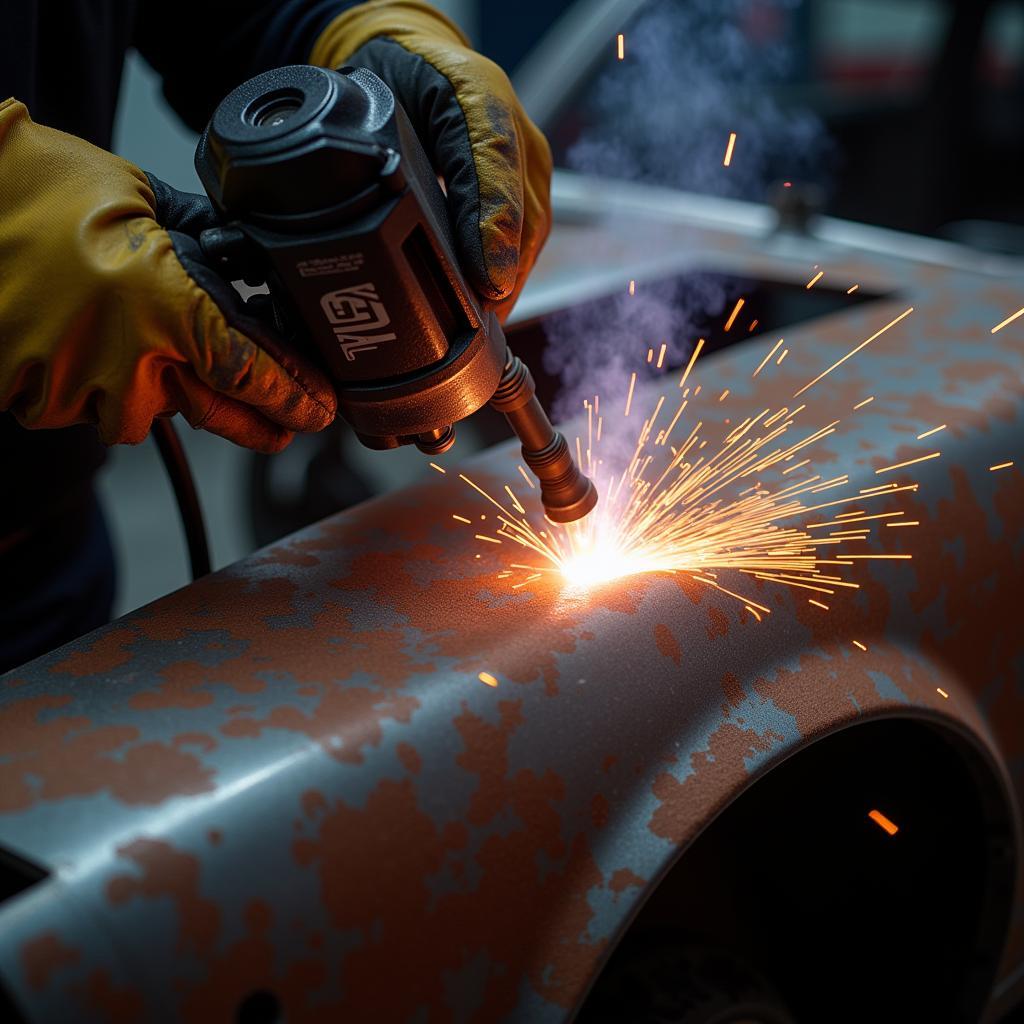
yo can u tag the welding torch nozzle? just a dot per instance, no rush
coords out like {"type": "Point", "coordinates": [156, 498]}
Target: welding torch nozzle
{"type": "Point", "coordinates": [567, 495]}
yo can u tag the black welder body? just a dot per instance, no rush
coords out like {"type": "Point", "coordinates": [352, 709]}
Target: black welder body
{"type": "Point", "coordinates": [328, 197]}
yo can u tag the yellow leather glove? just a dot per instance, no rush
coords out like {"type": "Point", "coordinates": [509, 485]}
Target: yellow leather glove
{"type": "Point", "coordinates": [495, 162]}
{"type": "Point", "coordinates": [107, 317]}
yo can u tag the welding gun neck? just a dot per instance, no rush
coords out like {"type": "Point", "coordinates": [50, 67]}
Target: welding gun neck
{"type": "Point", "coordinates": [567, 495]}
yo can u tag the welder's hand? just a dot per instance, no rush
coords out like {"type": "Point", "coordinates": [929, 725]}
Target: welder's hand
{"type": "Point", "coordinates": [495, 162]}
{"type": "Point", "coordinates": [107, 317]}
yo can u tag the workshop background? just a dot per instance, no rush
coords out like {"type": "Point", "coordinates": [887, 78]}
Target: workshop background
{"type": "Point", "coordinates": [913, 118]}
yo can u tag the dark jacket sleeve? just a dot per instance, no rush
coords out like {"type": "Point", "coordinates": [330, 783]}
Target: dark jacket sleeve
{"type": "Point", "coordinates": [206, 47]}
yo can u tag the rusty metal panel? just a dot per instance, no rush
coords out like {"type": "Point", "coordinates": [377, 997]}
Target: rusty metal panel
{"type": "Point", "coordinates": [288, 775]}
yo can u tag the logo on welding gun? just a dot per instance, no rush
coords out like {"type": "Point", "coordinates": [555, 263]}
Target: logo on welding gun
{"type": "Point", "coordinates": [357, 317]}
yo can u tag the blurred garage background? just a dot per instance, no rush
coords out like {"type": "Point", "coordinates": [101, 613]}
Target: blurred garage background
{"type": "Point", "coordinates": [904, 113]}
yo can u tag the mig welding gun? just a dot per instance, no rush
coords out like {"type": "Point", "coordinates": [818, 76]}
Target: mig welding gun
{"type": "Point", "coordinates": [327, 197]}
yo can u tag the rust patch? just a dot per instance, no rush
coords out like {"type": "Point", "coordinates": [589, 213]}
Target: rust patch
{"type": "Point", "coordinates": [719, 623]}
{"type": "Point", "coordinates": [174, 874]}
{"type": "Point", "coordinates": [110, 1003]}
{"type": "Point", "coordinates": [733, 689]}
{"type": "Point", "coordinates": [667, 643]}
{"type": "Point", "coordinates": [104, 653]}
{"type": "Point", "coordinates": [409, 757]}
{"type": "Point", "coordinates": [622, 879]}
{"type": "Point", "coordinates": [314, 803]}
{"type": "Point", "coordinates": [65, 757]}
{"type": "Point", "coordinates": [45, 955]}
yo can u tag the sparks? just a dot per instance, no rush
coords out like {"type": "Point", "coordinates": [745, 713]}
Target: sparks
{"type": "Point", "coordinates": [728, 152]}
{"type": "Point", "coordinates": [1001, 465]}
{"type": "Point", "coordinates": [928, 433]}
{"type": "Point", "coordinates": [909, 462]}
{"type": "Point", "coordinates": [942, 693]}
{"type": "Point", "coordinates": [761, 365]}
{"type": "Point", "coordinates": [620, 46]}
{"type": "Point", "coordinates": [883, 822]}
{"type": "Point", "coordinates": [725, 501]}
{"type": "Point", "coordinates": [1008, 320]}
{"type": "Point", "coordinates": [853, 352]}
{"type": "Point", "coordinates": [814, 280]}
{"type": "Point", "coordinates": [486, 677]}
{"type": "Point", "coordinates": [735, 313]}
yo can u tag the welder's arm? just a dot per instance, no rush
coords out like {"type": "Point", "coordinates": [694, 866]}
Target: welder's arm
{"type": "Point", "coordinates": [108, 317]}
{"type": "Point", "coordinates": [495, 162]}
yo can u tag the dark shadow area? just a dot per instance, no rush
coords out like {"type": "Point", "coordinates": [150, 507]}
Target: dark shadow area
{"type": "Point", "coordinates": [840, 920]}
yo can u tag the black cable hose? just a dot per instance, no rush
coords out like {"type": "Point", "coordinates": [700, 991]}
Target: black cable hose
{"type": "Point", "coordinates": [176, 464]}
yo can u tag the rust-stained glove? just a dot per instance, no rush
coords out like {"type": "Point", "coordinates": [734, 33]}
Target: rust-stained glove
{"type": "Point", "coordinates": [107, 317]}
{"type": "Point", "coordinates": [495, 162]}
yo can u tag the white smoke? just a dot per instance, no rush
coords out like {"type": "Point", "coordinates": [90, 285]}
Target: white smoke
{"type": "Point", "coordinates": [695, 70]}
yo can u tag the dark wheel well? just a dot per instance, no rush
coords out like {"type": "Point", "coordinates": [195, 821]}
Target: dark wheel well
{"type": "Point", "coordinates": [848, 922]}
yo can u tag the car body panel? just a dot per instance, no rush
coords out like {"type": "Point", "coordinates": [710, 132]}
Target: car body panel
{"type": "Point", "coordinates": [289, 776]}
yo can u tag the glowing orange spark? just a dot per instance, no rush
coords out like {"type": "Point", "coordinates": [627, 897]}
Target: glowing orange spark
{"type": "Point", "coordinates": [941, 692]}
{"type": "Point", "coordinates": [860, 405]}
{"type": "Point", "coordinates": [909, 462]}
{"type": "Point", "coordinates": [883, 822]}
{"type": "Point", "coordinates": [814, 280]}
{"type": "Point", "coordinates": [767, 357]}
{"type": "Point", "coordinates": [461, 519]}
{"type": "Point", "coordinates": [735, 313]}
{"type": "Point", "coordinates": [1008, 320]}
{"type": "Point", "coordinates": [857, 643]}
{"type": "Point", "coordinates": [905, 522]}
{"type": "Point", "coordinates": [851, 290]}
{"type": "Point", "coordinates": [877, 556]}
{"type": "Point", "coordinates": [486, 677]}
{"type": "Point", "coordinates": [434, 465]}
{"type": "Point", "coordinates": [728, 149]}
{"type": "Point", "coordinates": [693, 359]}
{"type": "Point", "coordinates": [853, 352]}
{"type": "Point", "coordinates": [629, 397]}
{"type": "Point", "coordinates": [632, 287]}
{"type": "Point", "coordinates": [621, 46]}
{"type": "Point", "coordinates": [661, 355]}
{"type": "Point", "coordinates": [811, 600]}
{"type": "Point", "coordinates": [1002, 465]}
{"type": "Point", "coordinates": [701, 511]}
{"type": "Point", "coordinates": [526, 477]}
{"type": "Point", "coordinates": [785, 352]}
{"type": "Point", "coordinates": [928, 433]}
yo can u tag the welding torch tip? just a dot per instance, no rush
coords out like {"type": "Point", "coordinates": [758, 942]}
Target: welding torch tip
{"type": "Point", "coordinates": [566, 494]}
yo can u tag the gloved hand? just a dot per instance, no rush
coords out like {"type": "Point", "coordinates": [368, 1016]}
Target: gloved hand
{"type": "Point", "coordinates": [495, 162]}
{"type": "Point", "coordinates": [107, 317]}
